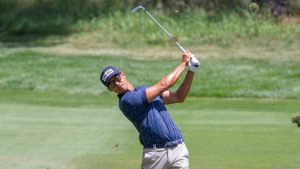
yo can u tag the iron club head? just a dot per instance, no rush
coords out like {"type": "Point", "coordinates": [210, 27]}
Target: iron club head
{"type": "Point", "coordinates": [139, 6]}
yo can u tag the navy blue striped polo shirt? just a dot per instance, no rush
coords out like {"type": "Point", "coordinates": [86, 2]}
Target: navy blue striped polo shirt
{"type": "Point", "coordinates": [152, 120]}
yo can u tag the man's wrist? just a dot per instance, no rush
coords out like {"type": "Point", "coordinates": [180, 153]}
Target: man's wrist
{"type": "Point", "coordinates": [191, 71]}
{"type": "Point", "coordinates": [192, 68]}
{"type": "Point", "coordinates": [185, 63]}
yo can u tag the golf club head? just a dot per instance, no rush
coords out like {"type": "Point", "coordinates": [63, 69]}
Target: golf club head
{"type": "Point", "coordinates": [139, 6]}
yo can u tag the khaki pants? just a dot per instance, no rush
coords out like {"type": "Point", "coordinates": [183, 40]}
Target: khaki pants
{"type": "Point", "coordinates": [166, 158]}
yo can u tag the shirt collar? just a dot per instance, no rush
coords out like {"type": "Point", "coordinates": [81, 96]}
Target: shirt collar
{"type": "Point", "coordinates": [122, 94]}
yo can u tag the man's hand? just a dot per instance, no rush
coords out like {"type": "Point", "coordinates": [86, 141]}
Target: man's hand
{"type": "Point", "coordinates": [194, 61]}
{"type": "Point", "coordinates": [186, 57]}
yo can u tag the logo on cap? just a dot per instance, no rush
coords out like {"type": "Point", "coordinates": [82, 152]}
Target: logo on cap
{"type": "Point", "coordinates": [106, 74]}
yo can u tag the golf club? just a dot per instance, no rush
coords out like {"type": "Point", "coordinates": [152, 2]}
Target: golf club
{"type": "Point", "coordinates": [139, 6]}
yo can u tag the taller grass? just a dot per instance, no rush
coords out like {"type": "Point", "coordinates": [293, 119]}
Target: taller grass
{"type": "Point", "coordinates": [193, 28]}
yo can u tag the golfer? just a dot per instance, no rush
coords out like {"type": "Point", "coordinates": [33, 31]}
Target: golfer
{"type": "Point", "coordinates": [162, 141]}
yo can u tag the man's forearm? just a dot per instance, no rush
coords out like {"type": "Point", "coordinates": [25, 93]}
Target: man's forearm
{"type": "Point", "coordinates": [184, 88]}
{"type": "Point", "coordinates": [172, 78]}
{"type": "Point", "coordinates": [164, 84]}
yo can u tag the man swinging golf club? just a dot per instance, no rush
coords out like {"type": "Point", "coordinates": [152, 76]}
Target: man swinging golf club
{"type": "Point", "coordinates": [162, 141]}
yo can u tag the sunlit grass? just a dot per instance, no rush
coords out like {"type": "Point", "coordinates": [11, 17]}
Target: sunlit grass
{"type": "Point", "coordinates": [57, 130]}
{"type": "Point", "coordinates": [216, 77]}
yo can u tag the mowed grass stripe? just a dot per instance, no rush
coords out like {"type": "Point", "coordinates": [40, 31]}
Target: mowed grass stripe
{"type": "Point", "coordinates": [107, 99]}
{"type": "Point", "coordinates": [93, 136]}
{"type": "Point", "coordinates": [240, 139]}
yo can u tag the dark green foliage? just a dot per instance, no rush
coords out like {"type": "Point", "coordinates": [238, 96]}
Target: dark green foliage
{"type": "Point", "coordinates": [58, 16]}
{"type": "Point", "coordinates": [43, 16]}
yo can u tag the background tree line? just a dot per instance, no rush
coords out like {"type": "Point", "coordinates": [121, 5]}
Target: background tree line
{"type": "Point", "coordinates": [92, 8]}
{"type": "Point", "coordinates": [58, 16]}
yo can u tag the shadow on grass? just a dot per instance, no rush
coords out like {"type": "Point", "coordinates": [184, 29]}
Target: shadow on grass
{"type": "Point", "coordinates": [22, 30]}
{"type": "Point", "coordinates": [27, 23]}
{"type": "Point", "coordinates": [29, 40]}
{"type": "Point", "coordinates": [26, 31]}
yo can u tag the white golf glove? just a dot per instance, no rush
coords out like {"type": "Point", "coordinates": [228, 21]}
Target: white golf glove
{"type": "Point", "coordinates": [194, 61]}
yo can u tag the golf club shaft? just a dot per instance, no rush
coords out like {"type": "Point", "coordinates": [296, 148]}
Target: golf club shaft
{"type": "Point", "coordinates": [164, 30]}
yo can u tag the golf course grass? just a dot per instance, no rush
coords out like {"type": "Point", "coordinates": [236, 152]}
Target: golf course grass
{"type": "Point", "coordinates": [54, 114]}
{"type": "Point", "coordinates": [217, 77]}
{"type": "Point", "coordinates": [54, 130]}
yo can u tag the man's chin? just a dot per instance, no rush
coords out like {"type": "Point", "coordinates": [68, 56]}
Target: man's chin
{"type": "Point", "coordinates": [121, 89]}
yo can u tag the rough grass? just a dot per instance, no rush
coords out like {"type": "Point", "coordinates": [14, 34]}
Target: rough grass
{"type": "Point", "coordinates": [217, 77]}
{"type": "Point", "coordinates": [191, 27]}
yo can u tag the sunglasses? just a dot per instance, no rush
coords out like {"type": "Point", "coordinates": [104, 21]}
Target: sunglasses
{"type": "Point", "coordinates": [112, 83]}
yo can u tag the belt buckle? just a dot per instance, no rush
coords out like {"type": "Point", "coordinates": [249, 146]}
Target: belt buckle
{"type": "Point", "coordinates": [169, 144]}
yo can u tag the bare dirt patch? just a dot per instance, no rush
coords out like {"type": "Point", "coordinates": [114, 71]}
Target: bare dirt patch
{"type": "Point", "coordinates": [89, 45]}
{"type": "Point", "coordinates": [153, 53]}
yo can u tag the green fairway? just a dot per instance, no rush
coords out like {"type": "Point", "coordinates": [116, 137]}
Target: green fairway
{"type": "Point", "coordinates": [89, 132]}
{"type": "Point", "coordinates": [55, 114]}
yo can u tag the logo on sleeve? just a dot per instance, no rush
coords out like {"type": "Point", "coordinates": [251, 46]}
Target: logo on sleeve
{"type": "Point", "coordinates": [106, 74]}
